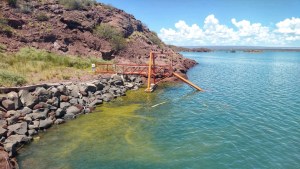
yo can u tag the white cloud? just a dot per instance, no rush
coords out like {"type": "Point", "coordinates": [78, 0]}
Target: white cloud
{"type": "Point", "coordinates": [289, 26]}
{"type": "Point", "coordinates": [242, 33]}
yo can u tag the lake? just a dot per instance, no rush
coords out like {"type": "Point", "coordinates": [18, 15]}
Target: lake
{"type": "Point", "coordinates": [248, 117]}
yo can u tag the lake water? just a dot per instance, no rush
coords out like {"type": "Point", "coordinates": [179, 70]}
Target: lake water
{"type": "Point", "coordinates": [248, 117]}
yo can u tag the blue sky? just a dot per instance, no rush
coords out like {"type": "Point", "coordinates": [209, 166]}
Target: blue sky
{"type": "Point", "coordinates": [219, 22]}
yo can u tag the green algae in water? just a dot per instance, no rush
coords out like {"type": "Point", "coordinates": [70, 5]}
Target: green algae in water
{"type": "Point", "coordinates": [114, 132]}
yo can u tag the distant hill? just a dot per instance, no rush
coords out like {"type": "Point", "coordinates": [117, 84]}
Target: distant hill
{"type": "Point", "coordinates": [227, 48]}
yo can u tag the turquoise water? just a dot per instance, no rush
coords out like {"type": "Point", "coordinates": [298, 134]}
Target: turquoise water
{"type": "Point", "coordinates": [248, 117]}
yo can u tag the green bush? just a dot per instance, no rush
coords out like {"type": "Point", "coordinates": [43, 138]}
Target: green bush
{"type": "Point", "coordinates": [77, 4]}
{"type": "Point", "coordinates": [8, 78]}
{"type": "Point", "coordinates": [2, 48]}
{"type": "Point", "coordinates": [111, 34]}
{"type": "Point", "coordinates": [26, 8]}
{"type": "Point", "coordinates": [155, 39]}
{"type": "Point", "coordinates": [42, 17]}
{"type": "Point", "coordinates": [12, 3]}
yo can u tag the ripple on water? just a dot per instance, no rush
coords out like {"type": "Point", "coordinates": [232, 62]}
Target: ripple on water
{"type": "Point", "coordinates": [248, 117]}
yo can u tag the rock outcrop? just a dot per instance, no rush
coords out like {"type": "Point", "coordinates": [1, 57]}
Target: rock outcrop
{"type": "Point", "coordinates": [50, 26]}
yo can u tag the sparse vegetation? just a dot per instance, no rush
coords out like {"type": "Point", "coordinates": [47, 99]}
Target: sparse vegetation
{"type": "Point", "coordinates": [12, 3]}
{"type": "Point", "coordinates": [2, 48]}
{"type": "Point", "coordinates": [77, 4]}
{"type": "Point", "coordinates": [26, 8]}
{"type": "Point", "coordinates": [32, 65]}
{"type": "Point", "coordinates": [4, 28]}
{"type": "Point", "coordinates": [155, 39]}
{"type": "Point", "coordinates": [8, 78]}
{"type": "Point", "coordinates": [42, 17]}
{"type": "Point", "coordinates": [111, 34]}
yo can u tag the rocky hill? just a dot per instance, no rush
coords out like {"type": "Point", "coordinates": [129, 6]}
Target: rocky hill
{"type": "Point", "coordinates": [88, 29]}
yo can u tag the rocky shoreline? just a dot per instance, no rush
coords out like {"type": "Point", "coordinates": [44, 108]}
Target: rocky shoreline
{"type": "Point", "coordinates": [24, 112]}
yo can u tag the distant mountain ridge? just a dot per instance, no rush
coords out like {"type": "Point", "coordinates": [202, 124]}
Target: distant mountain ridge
{"type": "Point", "coordinates": [244, 48]}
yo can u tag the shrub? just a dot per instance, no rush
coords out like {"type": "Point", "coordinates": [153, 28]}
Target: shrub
{"type": "Point", "coordinates": [2, 48]}
{"type": "Point", "coordinates": [12, 3]}
{"type": "Point", "coordinates": [155, 39]}
{"type": "Point", "coordinates": [112, 35]}
{"type": "Point", "coordinates": [77, 4]}
{"type": "Point", "coordinates": [8, 78]}
{"type": "Point", "coordinates": [42, 17]}
{"type": "Point", "coordinates": [26, 8]}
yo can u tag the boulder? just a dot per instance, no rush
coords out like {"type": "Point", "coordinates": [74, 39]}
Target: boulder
{"type": "Point", "coordinates": [44, 124]}
{"type": "Point", "coordinates": [34, 125]}
{"type": "Point", "coordinates": [13, 141]}
{"type": "Point", "coordinates": [64, 105]}
{"type": "Point", "coordinates": [55, 101]}
{"type": "Point", "coordinates": [60, 113]}
{"type": "Point", "coordinates": [32, 132]}
{"type": "Point", "coordinates": [5, 162]}
{"type": "Point", "coordinates": [63, 90]}
{"type": "Point", "coordinates": [69, 116]}
{"type": "Point", "coordinates": [107, 97]}
{"type": "Point", "coordinates": [59, 121]}
{"type": "Point", "coordinates": [73, 101]}
{"type": "Point", "coordinates": [40, 114]}
{"type": "Point", "coordinates": [28, 99]}
{"type": "Point", "coordinates": [3, 132]}
{"type": "Point", "coordinates": [99, 85]}
{"type": "Point", "coordinates": [19, 128]}
{"type": "Point", "coordinates": [3, 123]}
{"type": "Point", "coordinates": [12, 120]}
{"type": "Point", "coordinates": [54, 92]}
{"type": "Point", "coordinates": [42, 93]}
{"type": "Point", "coordinates": [64, 98]}
{"type": "Point", "coordinates": [13, 96]}
{"type": "Point", "coordinates": [95, 102]}
{"type": "Point", "coordinates": [25, 111]}
{"type": "Point", "coordinates": [73, 110]}
{"type": "Point", "coordinates": [8, 104]}
{"type": "Point", "coordinates": [74, 91]}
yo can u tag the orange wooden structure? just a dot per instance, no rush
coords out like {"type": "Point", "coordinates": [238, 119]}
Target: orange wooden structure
{"type": "Point", "coordinates": [150, 70]}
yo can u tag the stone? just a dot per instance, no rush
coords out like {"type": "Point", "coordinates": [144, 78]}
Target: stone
{"type": "Point", "coordinates": [73, 101]}
{"type": "Point", "coordinates": [64, 105]}
{"type": "Point", "coordinates": [63, 89]}
{"type": "Point", "coordinates": [99, 86]}
{"type": "Point", "coordinates": [86, 110]}
{"type": "Point", "coordinates": [25, 111]}
{"type": "Point", "coordinates": [107, 97]}
{"type": "Point", "coordinates": [12, 120]}
{"type": "Point", "coordinates": [40, 114]}
{"type": "Point", "coordinates": [3, 132]}
{"type": "Point", "coordinates": [28, 99]}
{"type": "Point", "coordinates": [74, 91]}
{"type": "Point", "coordinates": [3, 123]}
{"type": "Point", "coordinates": [44, 124]}
{"type": "Point", "coordinates": [13, 141]}
{"type": "Point", "coordinates": [54, 92]}
{"type": "Point", "coordinates": [64, 98]}
{"type": "Point", "coordinates": [19, 128]}
{"type": "Point", "coordinates": [73, 110]}
{"type": "Point", "coordinates": [34, 125]}
{"type": "Point", "coordinates": [60, 113]}
{"type": "Point", "coordinates": [129, 85]}
{"type": "Point", "coordinates": [59, 121]}
{"type": "Point", "coordinates": [69, 116]}
{"type": "Point", "coordinates": [14, 97]}
{"type": "Point", "coordinates": [8, 104]}
{"type": "Point", "coordinates": [32, 132]}
{"type": "Point", "coordinates": [42, 93]}
{"type": "Point", "coordinates": [28, 118]}
{"type": "Point", "coordinates": [95, 102]}
{"type": "Point", "coordinates": [5, 162]}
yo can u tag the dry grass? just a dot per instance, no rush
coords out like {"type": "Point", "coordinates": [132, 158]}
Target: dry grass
{"type": "Point", "coordinates": [32, 66]}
